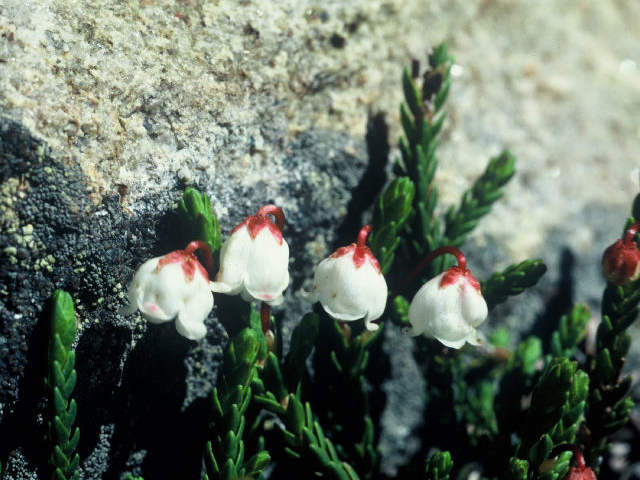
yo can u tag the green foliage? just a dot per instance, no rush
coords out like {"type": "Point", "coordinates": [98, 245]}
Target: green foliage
{"type": "Point", "coordinates": [422, 118]}
{"type": "Point", "coordinates": [60, 382]}
{"type": "Point", "coordinates": [555, 470]}
{"type": "Point", "coordinates": [307, 442]}
{"type": "Point", "coordinates": [438, 466]}
{"type": "Point", "coordinates": [340, 363]}
{"type": "Point", "coordinates": [476, 202]}
{"type": "Point", "coordinates": [303, 339]}
{"type": "Point", "coordinates": [514, 280]}
{"type": "Point", "coordinates": [548, 403]}
{"type": "Point", "coordinates": [391, 212]}
{"type": "Point", "coordinates": [518, 469]}
{"type": "Point", "coordinates": [608, 404]}
{"type": "Point", "coordinates": [516, 381]}
{"type": "Point", "coordinates": [198, 219]}
{"type": "Point", "coordinates": [225, 453]}
{"type": "Point", "coordinates": [570, 331]}
{"type": "Point", "coordinates": [303, 436]}
{"type": "Point", "coordinates": [399, 312]}
{"type": "Point", "coordinates": [573, 410]}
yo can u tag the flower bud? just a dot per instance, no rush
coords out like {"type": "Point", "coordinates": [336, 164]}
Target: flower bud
{"type": "Point", "coordinates": [173, 286]}
{"type": "Point", "coordinates": [349, 284]}
{"type": "Point", "coordinates": [621, 262]}
{"type": "Point", "coordinates": [580, 471]}
{"type": "Point", "coordinates": [254, 261]}
{"type": "Point", "coordinates": [448, 307]}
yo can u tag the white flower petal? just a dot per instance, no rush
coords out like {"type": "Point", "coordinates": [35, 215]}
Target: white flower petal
{"type": "Point", "coordinates": [372, 327]}
{"type": "Point", "coordinates": [257, 268]}
{"type": "Point", "coordinates": [154, 313]}
{"type": "Point", "coordinates": [449, 314]}
{"type": "Point", "coordinates": [191, 330]}
{"type": "Point", "coordinates": [347, 292]}
{"type": "Point", "coordinates": [162, 294]}
{"type": "Point", "coordinates": [221, 287]}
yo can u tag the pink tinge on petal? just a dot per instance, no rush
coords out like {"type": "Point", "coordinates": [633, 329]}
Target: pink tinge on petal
{"type": "Point", "coordinates": [153, 308]}
{"type": "Point", "coordinates": [255, 224]}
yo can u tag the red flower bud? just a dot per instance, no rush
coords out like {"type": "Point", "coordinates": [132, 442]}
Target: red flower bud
{"type": "Point", "coordinates": [621, 261]}
{"type": "Point", "coordinates": [580, 471]}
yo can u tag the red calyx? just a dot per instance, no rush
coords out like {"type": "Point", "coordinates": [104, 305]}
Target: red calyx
{"type": "Point", "coordinates": [360, 251]}
{"type": "Point", "coordinates": [580, 473]}
{"type": "Point", "coordinates": [188, 260]}
{"type": "Point", "coordinates": [255, 223]}
{"type": "Point", "coordinates": [620, 262]}
{"type": "Point", "coordinates": [189, 264]}
{"type": "Point", "coordinates": [453, 275]}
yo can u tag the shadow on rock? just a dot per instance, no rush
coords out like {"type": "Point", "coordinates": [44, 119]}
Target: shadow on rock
{"type": "Point", "coordinates": [147, 410]}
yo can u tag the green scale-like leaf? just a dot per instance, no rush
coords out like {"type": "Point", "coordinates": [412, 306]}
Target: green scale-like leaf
{"type": "Point", "coordinates": [477, 201]}
{"type": "Point", "coordinates": [60, 382]}
{"type": "Point", "coordinates": [517, 470]}
{"type": "Point", "coordinates": [570, 332]}
{"type": "Point", "coordinates": [573, 410]}
{"type": "Point", "coordinates": [198, 219]}
{"type": "Point", "coordinates": [421, 120]}
{"type": "Point", "coordinates": [548, 401]}
{"type": "Point", "coordinates": [391, 212]}
{"type": "Point", "coordinates": [438, 466]}
{"type": "Point", "coordinates": [607, 406]}
{"type": "Point", "coordinates": [225, 452]}
{"type": "Point", "coordinates": [514, 280]}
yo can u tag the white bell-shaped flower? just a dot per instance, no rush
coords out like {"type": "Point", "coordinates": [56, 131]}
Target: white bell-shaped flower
{"type": "Point", "coordinates": [349, 285]}
{"type": "Point", "coordinates": [174, 286]}
{"type": "Point", "coordinates": [449, 307]}
{"type": "Point", "coordinates": [254, 261]}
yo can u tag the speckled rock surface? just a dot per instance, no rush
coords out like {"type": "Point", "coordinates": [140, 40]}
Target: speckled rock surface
{"type": "Point", "coordinates": [109, 109]}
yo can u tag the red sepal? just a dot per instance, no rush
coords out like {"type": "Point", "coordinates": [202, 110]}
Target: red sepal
{"type": "Point", "coordinates": [189, 264]}
{"type": "Point", "coordinates": [453, 274]}
{"type": "Point", "coordinates": [255, 223]}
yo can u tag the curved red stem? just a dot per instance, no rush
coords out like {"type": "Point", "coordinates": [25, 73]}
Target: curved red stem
{"type": "Point", "coordinates": [276, 212]}
{"type": "Point", "coordinates": [362, 235]}
{"type": "Point", "coordinates": [206, 251]}
{"type": "Point", "coordinates": [462, 264]}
